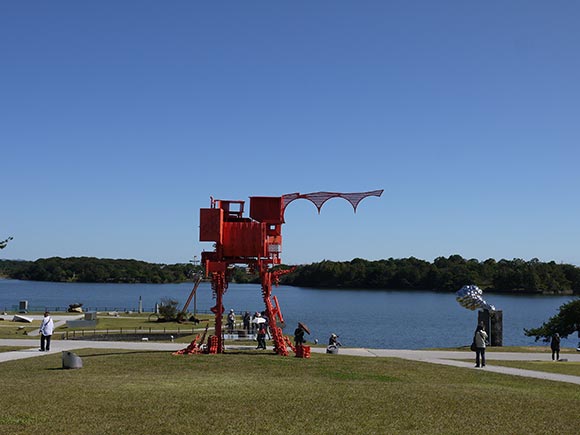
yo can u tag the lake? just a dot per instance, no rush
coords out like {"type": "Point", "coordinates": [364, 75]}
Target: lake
{"type": "Point", "coordinates": [362, 318]}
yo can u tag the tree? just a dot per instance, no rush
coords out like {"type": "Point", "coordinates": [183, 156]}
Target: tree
{"type": "Point", "coordinates": [566, 322]}
{"type": "Point", "coordinates": [168, 309]}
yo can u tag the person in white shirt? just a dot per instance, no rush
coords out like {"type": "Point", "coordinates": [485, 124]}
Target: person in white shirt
{"type": "Point", "coordinates": [46, 329]}
{"type": "Point", "coordinates": [231, 321]}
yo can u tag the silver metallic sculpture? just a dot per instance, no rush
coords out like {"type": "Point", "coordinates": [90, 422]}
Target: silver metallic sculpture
{"type": "Point", "coordinates": [470, 297]}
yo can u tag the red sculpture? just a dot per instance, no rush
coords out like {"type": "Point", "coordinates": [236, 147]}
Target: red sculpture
{"type": "Point", "coordinates": [256, 241]}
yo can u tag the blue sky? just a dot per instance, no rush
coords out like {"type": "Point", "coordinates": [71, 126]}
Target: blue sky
{"type": "Point", "coordinates": [119, 120]}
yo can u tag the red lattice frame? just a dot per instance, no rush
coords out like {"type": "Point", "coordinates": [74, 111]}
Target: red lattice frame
{"type": "Point", "coordinates": [319, 198]}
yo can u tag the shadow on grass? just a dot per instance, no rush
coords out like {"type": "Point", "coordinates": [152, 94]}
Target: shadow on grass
{"type": "Point", "coordinates": [248, 352]}
{"type": "Point", "coordinates": [135, 352]}
{"type": "Point", "coordinates": [251, 352]}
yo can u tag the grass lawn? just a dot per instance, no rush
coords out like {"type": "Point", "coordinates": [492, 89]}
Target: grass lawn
{"type": "Point", "coordinates": [530, 349]}
{"type": "Point", "coordinates": [519, 349]}
{"type": "Point", "coordinates": [562, 367]}
{"type": "Point", "coordinates": [124, 392]}
{"type": "Point", "coordinates": [143, 321]}
{"type": "Point", "coordinates": [12, 348]}
{"type": "Point", "coordinates": [129, 323]}
{"type": "Point", "coordinates": [12, 330]}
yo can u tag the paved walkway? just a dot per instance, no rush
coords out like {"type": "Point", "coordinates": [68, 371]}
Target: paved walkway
{"type": "Point", "coordinates": [450, 358]}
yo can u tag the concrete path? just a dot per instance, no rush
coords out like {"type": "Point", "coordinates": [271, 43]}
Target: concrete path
{"type": "Point", "coordinates": [450, 358]}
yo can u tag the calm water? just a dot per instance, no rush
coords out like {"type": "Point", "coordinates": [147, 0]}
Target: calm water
{"type": "Point", "coordinates": [377, 319]}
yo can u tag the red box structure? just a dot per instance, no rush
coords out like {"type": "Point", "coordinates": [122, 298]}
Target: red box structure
{"type": "Point", "coordinates": [210, 224]}
{"type": "Point", "coordinates": [244, 239]}
{"type": "Point", "coordinates": [267, 209]}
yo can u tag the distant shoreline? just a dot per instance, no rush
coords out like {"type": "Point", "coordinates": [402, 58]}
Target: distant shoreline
{"type": "Point", "coordinates": [489, 291]}
{"type": "Point", "coordinates": [409, 274]}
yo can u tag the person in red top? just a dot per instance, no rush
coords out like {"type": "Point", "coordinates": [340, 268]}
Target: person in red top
{"type": "Point", "coordinates": [262, 336]}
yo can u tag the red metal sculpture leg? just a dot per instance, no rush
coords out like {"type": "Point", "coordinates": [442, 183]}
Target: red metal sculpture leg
{"type": "Point", "coordinates": [273, 312]}
{"type": "Point", "coordinates": [218, 283]}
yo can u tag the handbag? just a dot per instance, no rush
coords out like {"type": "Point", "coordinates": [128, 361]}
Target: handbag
{"type": "Point", "coordinates": [473, 346]}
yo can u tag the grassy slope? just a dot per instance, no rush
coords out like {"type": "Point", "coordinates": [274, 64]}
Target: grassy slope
{"type": "Point", "coordinates": [249, 393]}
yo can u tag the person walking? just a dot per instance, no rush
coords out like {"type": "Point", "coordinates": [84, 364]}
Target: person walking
{"type": "Point", "coordinates": [262, 336]}
{"type": "Point", "coordinates": [264, 315]}
{"type": "Point", "coordinates": [46, 330]}
{"type": "Point", "coordinates": [480, 343]}
{"type": "Point", "coordinates": [246, 319]}
{"type": "Point", "coordinates": [555, 345]}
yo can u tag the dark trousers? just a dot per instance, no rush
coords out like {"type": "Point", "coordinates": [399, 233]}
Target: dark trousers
{"type": "Point", "coordinates": [45, 342]}
{"type": "Point", "coordinates": [480, 353]}
{"type": "Point", "coordinates": [556, 354]}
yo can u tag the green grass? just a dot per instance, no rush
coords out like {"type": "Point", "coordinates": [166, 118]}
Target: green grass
{"type": "Point", "coordinates": [247, 393]}
{"type": "Point", "coordinates": [529, 349]}
{"type": "Point", "coordinates": [564, 368]}
{"type": "Point", "coordinates": [561, 367]}
{"type": "Point", "coordinates": [136, 320]}
{"type": "Point", "coordinates": [517, 349]}
{"type": "Point", "coordinates": [12, 348]}
{"type": "Point", "coordinates": [138, 323]}
{"type": "Point", "coordinates": [17, 330]}
{"type": "Point", "coordinates": [129, 323]}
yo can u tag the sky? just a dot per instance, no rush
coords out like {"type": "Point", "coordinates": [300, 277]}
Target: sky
{"type": "Point", "coordinates": [119, 121]}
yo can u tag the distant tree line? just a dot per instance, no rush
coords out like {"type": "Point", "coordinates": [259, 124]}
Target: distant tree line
{"type": "Point", "coordinates": [444, 274]}
{"type": "Point", "coordinates": [242, 275]}
{"type": "Point", "coordinates": [89, 269]}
